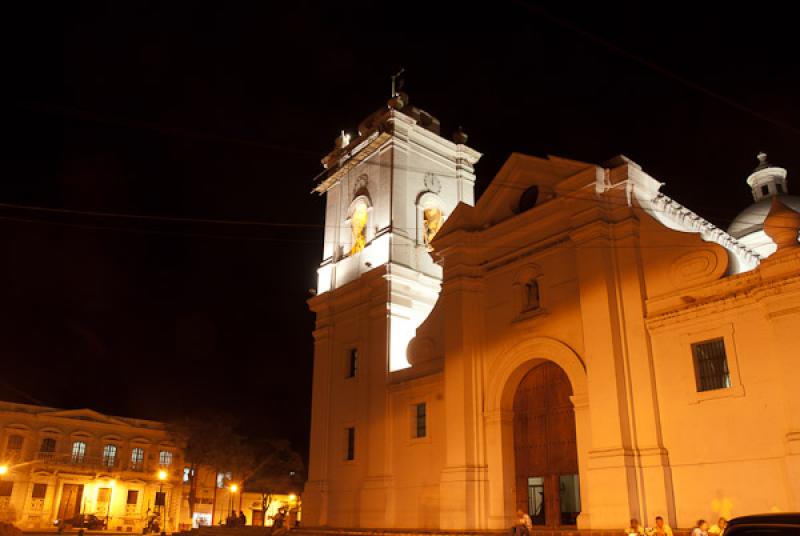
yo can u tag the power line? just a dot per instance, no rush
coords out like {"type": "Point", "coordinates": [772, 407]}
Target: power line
{"type": "Point", "coordinates": [158, 232]}
{"type": "Point", "coordinates": [654, 66]}
{"type": "Point", "coordinates": [574, 194]}
{"type": "Point", "coordinates": [158, 218]}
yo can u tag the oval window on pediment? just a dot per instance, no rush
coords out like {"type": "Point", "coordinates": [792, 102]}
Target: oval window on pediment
{"type": "Point", "coordinates": [529, 198]}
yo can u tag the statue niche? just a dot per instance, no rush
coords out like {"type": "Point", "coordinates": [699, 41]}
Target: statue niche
{"type": "Point", "coordinates": [358, 226]}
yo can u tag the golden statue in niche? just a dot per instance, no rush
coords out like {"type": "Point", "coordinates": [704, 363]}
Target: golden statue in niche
{"type": "Point", "coordinates": [358, 224]}
{"type": "Point", "coordinates": [432, 222]}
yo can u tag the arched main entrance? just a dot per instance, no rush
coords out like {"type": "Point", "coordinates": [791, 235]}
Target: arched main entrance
{"type": "Point", "coordinates": [545, 450]}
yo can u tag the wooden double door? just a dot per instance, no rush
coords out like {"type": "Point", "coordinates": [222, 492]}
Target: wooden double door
{"type": "Point", "coordinates": [70, 506]}
{"type": "Point", "coordinates": [545, 449]}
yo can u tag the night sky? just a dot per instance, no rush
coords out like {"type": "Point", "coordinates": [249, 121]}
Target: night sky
{"type": "Point", "coordinates": [222, 110]}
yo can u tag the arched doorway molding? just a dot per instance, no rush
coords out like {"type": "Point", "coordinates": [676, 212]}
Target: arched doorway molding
{"type": "Point", "coordinates": [506, 373]}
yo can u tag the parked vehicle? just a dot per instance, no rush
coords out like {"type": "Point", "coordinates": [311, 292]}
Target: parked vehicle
{"type": "Point", "coordinates": [785, 524]}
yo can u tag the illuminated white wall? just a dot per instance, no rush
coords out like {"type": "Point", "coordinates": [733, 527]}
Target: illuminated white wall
{"type": "Point", "coordinates": [413, 169]}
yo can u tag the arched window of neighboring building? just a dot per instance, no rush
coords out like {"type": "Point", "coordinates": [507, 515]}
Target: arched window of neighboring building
{"type": "Point", "coordinates": [137, 459]}
{"type": "Point", "coordinates": [165, 457]}
{"type": "Point", "coordinates": [48, 445]}
{"type": "Point", "coordinates": [109, 455]}
{"type": "Point", "coordinates": [78, 451]}
{"type": "Point", "coordinates": [14, 442]}
{"type": "Point", "coordinates": [528, 198]}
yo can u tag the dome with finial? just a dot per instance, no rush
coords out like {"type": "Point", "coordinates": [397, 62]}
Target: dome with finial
{"type": "Point", "coordinates": [766, 181]}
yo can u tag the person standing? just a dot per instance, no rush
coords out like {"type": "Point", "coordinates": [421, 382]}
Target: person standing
{"type": "Point", "coordinates": [242, 519]}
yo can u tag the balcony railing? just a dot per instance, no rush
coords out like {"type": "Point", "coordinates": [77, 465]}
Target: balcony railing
{"type": "Point", "coordinates": [101, 463]}
{"type": "Point", "coordinates": [85, 462]}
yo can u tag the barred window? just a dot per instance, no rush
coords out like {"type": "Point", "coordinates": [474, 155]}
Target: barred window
{"type": "Point", "coordinates": [711, 365]}
{"type": "Point", "coordinates": [420, 420]}
{"type": "Point", "coordinates": [78, 451]}
{"type": "Point", "coordinates": [14, 442]}
{"type": "Point", "coordinates": [165, 457]}
{"type": "Point", "coordinates": [350, 453]}
{"type": "Point", "coordinates": [133, 496]}
{"type": "Point", "coordinates": [109, 455]}
{"type": "Point", "coordinates": [48, 445]}
{"type": "Point", "coordinates": [137, 459]}
{"type": "Point", "coordinates": [352, 363]}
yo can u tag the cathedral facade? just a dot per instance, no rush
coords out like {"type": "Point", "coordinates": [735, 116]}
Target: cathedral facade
{"type": "Point", "coordinates": [576, 344]}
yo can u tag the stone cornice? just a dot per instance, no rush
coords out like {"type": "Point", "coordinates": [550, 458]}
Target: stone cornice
{"type": "Point", "coordinates": [688, 220]}
{"type": "Point", "coordinates": [722, 297]}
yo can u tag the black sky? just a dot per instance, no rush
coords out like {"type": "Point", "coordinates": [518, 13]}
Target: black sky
{"type": "Point", "coordinates": [221, 110]}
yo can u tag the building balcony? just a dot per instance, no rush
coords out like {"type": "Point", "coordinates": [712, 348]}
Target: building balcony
{"type": "Point", "coordinates": [86, 463]}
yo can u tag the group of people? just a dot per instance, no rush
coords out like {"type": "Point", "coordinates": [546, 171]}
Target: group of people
{"type": "Point", "coordinates": [524, 525]}
{"type": "Point", "coordinates": [234, 520]}
{"type": "Point", "coordinates": [662, 529]}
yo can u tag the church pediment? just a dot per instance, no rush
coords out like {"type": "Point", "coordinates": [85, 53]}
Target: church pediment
{"type": "Point", "coordinates": [85, 414]}
{"type": "Point", "coordinates": [520, 175]}
{"type": "Point", "coordinates": [523, 174]}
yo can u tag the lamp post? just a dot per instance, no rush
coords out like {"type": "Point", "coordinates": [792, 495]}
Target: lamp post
{"type": "Point", "coordinates": [233, 490]}
{"type": "Point", "coordinates": [162, 476]}
{"type": "Point", "coordinates": [111, 484]}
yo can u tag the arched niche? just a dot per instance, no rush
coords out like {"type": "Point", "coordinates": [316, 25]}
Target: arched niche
{"type": "Point", "coordinates": [357, 232]}
{"type": "Point", "coordinates": [430, 216]}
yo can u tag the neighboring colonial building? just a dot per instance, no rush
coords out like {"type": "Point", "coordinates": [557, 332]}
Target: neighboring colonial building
{"type": "Point", "coordinates": [583, 347]}
{"type": "Point", "coordinates": [62, 463]}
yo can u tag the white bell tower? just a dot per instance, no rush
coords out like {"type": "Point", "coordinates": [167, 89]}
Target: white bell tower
{"type": "Point", "coordinates": [388, 190]}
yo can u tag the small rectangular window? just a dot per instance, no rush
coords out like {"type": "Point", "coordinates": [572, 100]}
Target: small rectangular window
{"type": "Point", "coordinates": [223, 477]}
{"type": "Point", "coordinates": [420, 420]}
{"type": "Point", "coordinates": [711, 365]}
{"type": "Point", "coordinates": [14, 442]}
{"type": "Point", "coordinates": [133, 496]}
{"type": "Point", "coordinates": [39, 491]}
{"type": "Point", "coordinates": [6, 487]}
{"type": "Point", "coordinates": [352, 362]}
{"type": "Point", "coordinates": [48, 445]}
{"type": "Point", "coordinates": [779, 186]}
{"type": "Point", "coordinates": [765, 189]}
{"type": "Point", "coordinates": [350, 453]}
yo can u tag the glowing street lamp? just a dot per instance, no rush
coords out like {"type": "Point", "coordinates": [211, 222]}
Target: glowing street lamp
{"type": "Point", "coordinates": [3, 469]}
{"type": "Point", "coordinates": [162, 476]}
{"type": "Point", "coordinates": [233, 489]}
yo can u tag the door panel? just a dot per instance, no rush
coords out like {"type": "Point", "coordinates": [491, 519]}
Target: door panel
{"type": "Point", "coordinates": [544, 441]}
{"type": "Point", "coordinates": [71, 497]}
